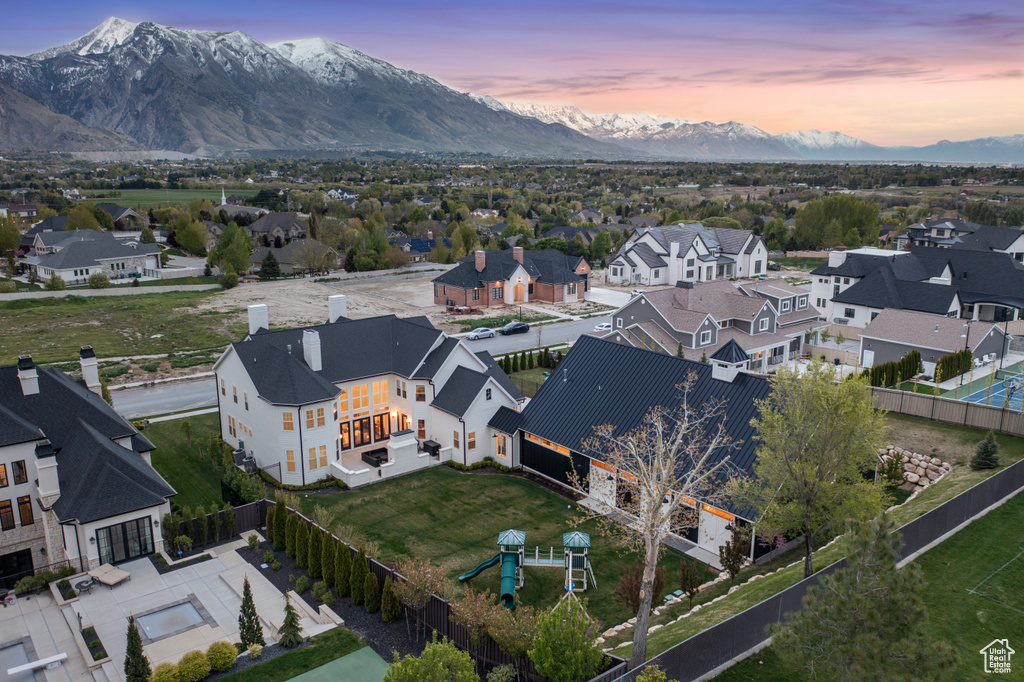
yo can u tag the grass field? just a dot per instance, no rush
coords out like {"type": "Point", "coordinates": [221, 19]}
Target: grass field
{"type": "Point", "coordinates": [959, 613]}
{"type": "Point", "coordinates": [454, 519]}
{"type": "Point", "coordinates": [196, 478]}
{"type": "Point", "coordinates": [154, 198]}
{"type": "Point", "coordinates": [803, 263]}
{"type": "Point", "coordinates": [53, 329]}
{"type": "Point", "coordinates": [497, 323]}
{"type": "Point", "coordinates": [322, 649]}
{"type": "Point", "coordinates": [529, 381]}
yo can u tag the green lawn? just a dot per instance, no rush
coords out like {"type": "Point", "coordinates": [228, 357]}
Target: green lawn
{"type": "Point", "coordinates": [966, 620]}
{"type": "Point", "coordinates": [179, 280]}
{"type": "Point", "coordinates": [196, 478]}
{"type": "Point", "coordinates": [152, 198]}
{"type": "Point", "coordinates": [53, 329]}
{"type": "Point", "coordinates": [496, 323]}
{"type": "Point", "coordinates": [322, 649]}
{"type": "Point", "coordinates": [920, 388]}
{"type": "Point", "coordinates": [802, 262]}
{"type": "Point", "coordinates": [529, 381]}
{"type": "Point", "coordinates": [454, 519]}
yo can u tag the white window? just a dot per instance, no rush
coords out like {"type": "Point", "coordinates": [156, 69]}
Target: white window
{"type": "Point", "coordinates": [705, 338]}
{"type": "Point", "coordinates": [762, 325]}
{"type": "Point", "coordinates": [785, 306]}
{"type": "Point", "coordinates": [801, 303]}
{"type": "Point", "coordinates": [618, 322]}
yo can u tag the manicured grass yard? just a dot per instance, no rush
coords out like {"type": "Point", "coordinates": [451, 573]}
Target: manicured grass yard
{"type": "Point", "coordinates": [454, 518]}
{"type": "Point", "coordinates": [529, 381]}
{"type": "Point", "coordinates": [152, 198]}
{"type": "Point", "coordinates": [802, 262]}
{"type": "Point", "coordinates": [53, 329]}
{"type": "Point", "coordinates": [966, 621]}
{"type": "Point", "coordinates": [496, 323]}
{"type": "Point", "coordinates": [196, 478]}
{"type": "Point", "coordinates": [322, 649]}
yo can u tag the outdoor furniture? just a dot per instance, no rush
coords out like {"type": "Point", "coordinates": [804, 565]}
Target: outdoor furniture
{"type": "Point", "coordinates": [84, 585]}
{"type": "Point", "coordinates": [108, 575]}
{"type": "Point", "coordinates": [375, 457]}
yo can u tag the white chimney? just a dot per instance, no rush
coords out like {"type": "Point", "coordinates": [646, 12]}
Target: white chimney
{"type": "Point", "coordinates": [836, 258]}
{"type": "Point", "coordinates": [27, 375]}
{"type": "Point", "coordinates": [430, 235]}
{"type": "Point", "coordinates": [90, 369]}
{"type": "Point", "coordinates": [311, 349]}
{"type": "Point", "coordinates": [259, 317]}
{"type": "Point", "coordinates": [337, 307]}
{"type": "Point", "coordinates": [46, 470]}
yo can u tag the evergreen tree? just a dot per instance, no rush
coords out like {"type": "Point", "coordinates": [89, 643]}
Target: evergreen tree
{"type": "Point", "coordinates": [865, 621]}
{"type": "Point", "coordinates": [290, 634]}
{"type": "Point", "coordinates": [565, 648]}
{"type": "Point", "coordinates": [679, 350]}
{"type": "Point", "coordinates": [316, 551]}
{"type": "Point", "coordinates": [371, 592]}
{"type": "Point", "coordinates": [289, 534]}
{"type": "Point", "coordinates": [302, 544]}
{"type": "Point", "coordinates": [704, 357]}
{"type": "Point", "coordinates": [357, 579]}
{"type": "Point", "coordinates": [390, 610]}
{"type": "Point", "coordinates": [270, 267]}
{"type": "Point", "coordinates": [529, 360]}
{"type": "Point", "coordinates": [515, 363]}
{"type": "Point", "coordinates": [327, 561]}
{"type": "Point", "coordinates": [280, 525]}
{"type": "Point", "coordinates": [136, 665]}
{"type": "Point", "coordinates": [342, 570]}
{"type": "Point", "coordinates": [987, 454]}
{"type": "Point", "coordinates": [250, 631]}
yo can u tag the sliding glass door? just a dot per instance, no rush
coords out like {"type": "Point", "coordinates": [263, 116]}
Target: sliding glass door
{"type": "Point", "coordinates": [125, 541]}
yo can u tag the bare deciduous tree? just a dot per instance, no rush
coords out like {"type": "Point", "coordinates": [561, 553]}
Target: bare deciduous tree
{"type": "Point", "coordinates": [661, 470]}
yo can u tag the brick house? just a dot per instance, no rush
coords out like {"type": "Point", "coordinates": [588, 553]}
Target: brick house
{"type": "Point", "coordinates": [513, 276]}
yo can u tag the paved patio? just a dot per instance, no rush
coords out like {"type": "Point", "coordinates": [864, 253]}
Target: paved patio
{"type": "Point", "coordinates": [215, 584]}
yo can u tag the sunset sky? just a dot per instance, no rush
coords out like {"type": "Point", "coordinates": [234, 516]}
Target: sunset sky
{"type": "Point", "coordinates": [886, 72]}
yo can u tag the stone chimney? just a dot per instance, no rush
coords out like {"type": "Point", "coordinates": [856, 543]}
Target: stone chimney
{"type": "Point", "coordinates": [259, 317]}
{"type": "Point", "coordinates": [27, 375]}
{"type": "Point", "coordinates": [90, 369]}
{"type": "Point", "coordinates": [481, 260]}
{"type": "Point", "coordinates": [517, 254]}
{"type": "Point", "coordinates": [311, 349]}
{"type": "Point", "coordinates": [337, 307]}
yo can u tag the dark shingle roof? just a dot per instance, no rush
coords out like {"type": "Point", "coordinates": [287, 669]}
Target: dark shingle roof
{"type": "Point", "coordinates": [433, 362]}
{"type": "Point", "coordinates": [118, 481]}
{"type": "Point", "coordinates": [988, 237]}
{"type": "Point", "coordinates": [506, 420]}
{"type": "Point", "coordinates": [286, 221]}
{"type": "Point", "coordinates": [549, 266]}
{"type": "Point", "coordinates": [14, 429]}
{"type": "Point", "coordinates": [289, 253]}
{"type": "Point", "coordinates": [648, 256]}
{"type": "Point", "coordinates": [856, 265]}
{"type": "Point", "coordinates": [498, 374]}
{"type": "Point", "coordinates": [350, 349]}
{"type": "Point", "coordinates": [459, 392]}
{"type": "Point", "coordinates": [732, 353]}
{"type": "Point", "coordinates": [603, 382]}
{"type": "Point", "coordinates": [882, 289]}
{"type": "Point", "coordinates": [84, 252]}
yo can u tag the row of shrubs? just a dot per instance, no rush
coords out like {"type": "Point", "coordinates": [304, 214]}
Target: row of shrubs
{"type": "Point", "coordinates": [42, 579]}
{"type": "Point", "coordinates": [896, 371]}
{"type": "Point", "coordinates": [330, 564]}
{"type": "Point", "coordinates": [328, 482]}
{"type": "Point", "coordinates": [487, 462]}
{"type": "Point", "coordinates": [953, 365]}
{"type": "Point", "coordinates": [524, 360]}
{"type": "Point", "coordinates": [198, 665]}
{"type": "Point", "coordinates": [197, 526]}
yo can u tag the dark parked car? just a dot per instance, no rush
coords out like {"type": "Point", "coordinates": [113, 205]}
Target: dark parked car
{"type": "Point", "coordinates": [772, 265]}
{"type": "Point", "coordinates": [514, 328]}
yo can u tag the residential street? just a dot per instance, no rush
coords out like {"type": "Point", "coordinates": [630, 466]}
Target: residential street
{"type": "Point", "coordinates": [550, 335]}
{"type": "Point", "coordinates": [133, 403]}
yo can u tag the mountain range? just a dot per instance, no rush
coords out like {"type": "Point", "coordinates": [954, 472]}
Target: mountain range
{"type": "Point", "coordinates": [143, 86]}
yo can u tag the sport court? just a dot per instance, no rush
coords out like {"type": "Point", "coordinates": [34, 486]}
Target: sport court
{"type": "Point", "coordinates": [363, 665]}
{"type": "Point", "coordinates": [1006, 390]}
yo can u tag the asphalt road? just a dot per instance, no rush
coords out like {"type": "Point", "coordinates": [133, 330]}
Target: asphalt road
{"type": "Point", "coordinates": [134, 403]}
{"type": "Point", "coordinates": [550, 335]}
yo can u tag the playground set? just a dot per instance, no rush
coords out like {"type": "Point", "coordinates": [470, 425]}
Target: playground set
{"type": "Point", "coordinates": [512, 557]}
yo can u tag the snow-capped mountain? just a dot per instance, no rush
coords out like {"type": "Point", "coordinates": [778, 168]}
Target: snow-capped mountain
{"type": "Point", "coordinates": [830, 145]}
{"type": "Point", "coordinates": [210, 92]}
{"type": "Point", "coordinates": [663, 137]}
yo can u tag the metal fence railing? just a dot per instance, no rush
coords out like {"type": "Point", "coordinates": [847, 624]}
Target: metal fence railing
{"type": "Point", "coordinates": [702, 653]}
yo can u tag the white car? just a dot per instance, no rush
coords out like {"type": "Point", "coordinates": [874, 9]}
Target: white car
{"type": "Point", "coordinates": [480, 333]}
{"type": "Point", "coordinates": [637, 292]}
{"type": "Point", "coordinates": [603, 327]}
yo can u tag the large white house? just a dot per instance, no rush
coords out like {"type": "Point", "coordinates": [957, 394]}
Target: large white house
{"type": "Point", "coordinates": [688, 253]}
{"type": "Point", "coordinates": [76, 483]}
{"type": "Point", "coordinates": [359, 400]}
{"type": "Point", "coordinates": [76, 254]}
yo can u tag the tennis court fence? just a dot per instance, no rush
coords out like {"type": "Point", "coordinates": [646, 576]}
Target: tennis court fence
{"type": "Point", "coordinates": [949, 411]}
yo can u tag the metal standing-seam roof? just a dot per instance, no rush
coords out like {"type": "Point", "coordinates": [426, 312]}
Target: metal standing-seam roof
{"type": "Point", "coordinates": [512, 538]}
{"type": "Point", "coordinates": [601, 382]}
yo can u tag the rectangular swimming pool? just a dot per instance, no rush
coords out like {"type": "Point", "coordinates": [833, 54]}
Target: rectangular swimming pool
{"type": "Point", "coordinates": [170, 620]}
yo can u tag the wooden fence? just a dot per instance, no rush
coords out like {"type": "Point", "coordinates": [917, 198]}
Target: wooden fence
{"type": "Point", "coordinates": [949, 411]}
{"type": "Point", "coordinates": [436, 615]}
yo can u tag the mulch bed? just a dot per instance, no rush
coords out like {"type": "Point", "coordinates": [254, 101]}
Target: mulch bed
{"type": "Point", "coordinates": [163, 567]}
{"type": "Point", "coordinates": [244, 662]}
{"type": "Point", "coordinates": [382, 637]}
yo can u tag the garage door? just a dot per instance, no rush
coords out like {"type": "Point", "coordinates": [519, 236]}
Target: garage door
{"type": "Point", "coordinates": [712, 532]}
